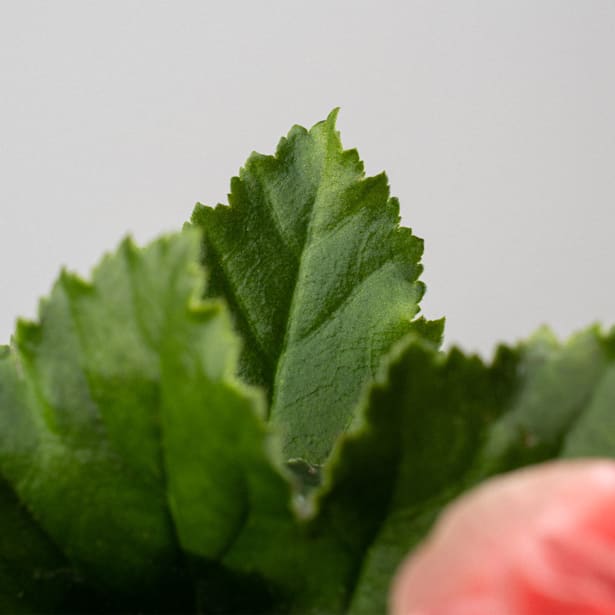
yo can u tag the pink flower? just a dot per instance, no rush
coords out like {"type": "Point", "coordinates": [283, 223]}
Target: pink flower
{"type": "Point", "coordinates": [539, 541]}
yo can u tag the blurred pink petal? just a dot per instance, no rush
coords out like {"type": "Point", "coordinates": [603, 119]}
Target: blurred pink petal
{"type": "Point", "coordinates": [539, 541]}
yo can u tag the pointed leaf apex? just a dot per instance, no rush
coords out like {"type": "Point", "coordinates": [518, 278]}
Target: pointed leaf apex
{"type": "Point", "coordinates": [332, 117]}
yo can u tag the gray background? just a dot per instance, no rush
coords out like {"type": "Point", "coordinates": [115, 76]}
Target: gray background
{"type": "Point", "coordinates": [495, 121]}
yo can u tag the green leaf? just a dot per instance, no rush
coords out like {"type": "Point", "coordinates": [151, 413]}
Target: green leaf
{"type": "Point", "coordinates": [149, 469]}
{"type": "Point", "coordinates": [80, 405]}
{"type": "Point", "coordinates": [100, 437]}
{"type": "Point", "coordinates": [435, 425]}
{"type": "Point", "coordinates": [320, 278]}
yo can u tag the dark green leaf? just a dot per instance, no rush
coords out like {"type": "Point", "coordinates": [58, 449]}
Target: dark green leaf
{"type": "Point", "coordinates": [320, 278]}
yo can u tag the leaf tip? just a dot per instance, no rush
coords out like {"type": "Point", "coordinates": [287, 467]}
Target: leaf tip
{"type": "Point", "coordinates": [327, 127]}
{"type": "Point", "coordinates": [332, 117]}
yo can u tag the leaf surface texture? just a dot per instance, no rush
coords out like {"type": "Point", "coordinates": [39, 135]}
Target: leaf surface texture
{"type": "Point", "coordinates": [320, 277]}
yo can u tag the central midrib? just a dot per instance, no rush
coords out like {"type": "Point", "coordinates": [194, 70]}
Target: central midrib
{"type": "Point", "coordinates": [292, 307]}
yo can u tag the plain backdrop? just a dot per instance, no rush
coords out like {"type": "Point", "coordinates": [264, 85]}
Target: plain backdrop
{"type": "Point", "coordinates": [495, 121]}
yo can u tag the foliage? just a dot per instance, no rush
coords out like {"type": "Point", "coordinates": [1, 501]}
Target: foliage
{"type": "Point", "coordinates": [247, 416]}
